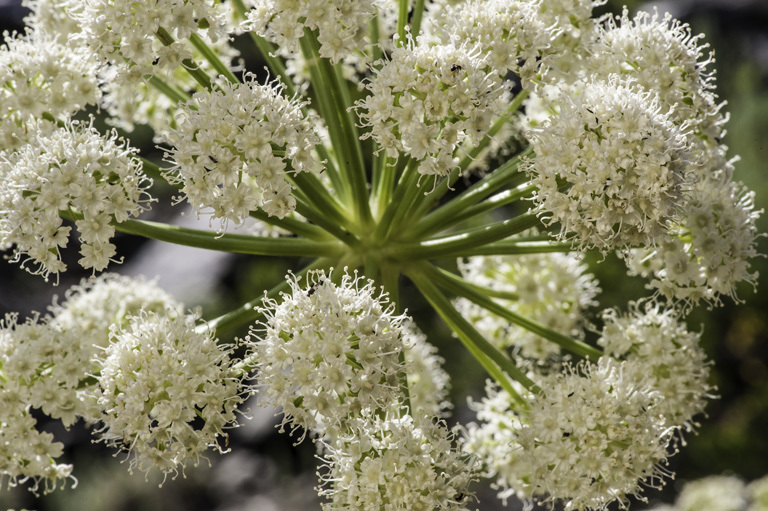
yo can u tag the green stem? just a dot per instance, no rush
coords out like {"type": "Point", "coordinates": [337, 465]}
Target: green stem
{"type": "Point", "coordinates": [324, 222]}
{"type": "Point", "coordinates": [247, 312]}
{"type": "Point", "coordinates": [407, 183]}
{"type": "Point", "coordinates": [462, 243]}
{"type": "Point", "coordinates": [332, 93]}
{"type": "Point", "coordinates": [418, 15]}
{"type": "Point", "coordinates": [453, 209]}
{"type": "Point", "coordinates": [212, 58]}
{"type": "Point", "coordinates": [190, 66]}
{"type": "Point", "coordinates": [169, 91]}
{"type": "Point", "coordinates": [319, 197]}
{"type": "Point", "coordinates": [485, 353]}
{"type": "Point", "coordinates": [152, 169]}
{"type": "Point", "coordinates": [297, 227]}
{"type": "Point", "coordinates": [402, 21]}
{"type": "Point", "coordinates": [457, 285]}
{"type": "Point", "coordinates": [514, 247]}
{"type": "Point", "coordinates": [501, 199]}
{"type": "Point", "coordinates": [237, 243]}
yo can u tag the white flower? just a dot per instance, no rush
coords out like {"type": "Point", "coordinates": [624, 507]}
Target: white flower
{"type": "Point", "coordinates": [707, 253]}
{"type": "Point", "coordinates": [426, 100]}
{"type": "Point", "coordinates": [391, 463]}
{"type": "Point", "coordinates": [611, 167]}
{"type": "Point", "coordinates": [327, 351]}
{"type": "Point", "coordinates": [166, 390]}
{"type": "Point", "coordinates": [554, 290]}
{"type": "Point", "coordinates": [341, 24]}
{"type": "Point", "coordinates": [26, 453]}
{"type": "Point", "coordinates": [73, 167]}
{"type": "Point", "coordinates": [124, 32]}
{"type": "Point", "coordinates": [661, 55]}
{"type": "Point", "coordinates": [41, 74]}
{"type": "Point", "coordinates": [665, 354]}
{"type": "Point", "coordinates": [758, 493]}
{"type": "Point", "coordinates": [593, 436]}
{"type": "Point", "coordinates": [714, 493]}
{"type": "Point", "coordinates": [495, 441]}
{"type": "Point", "coordinates": [225, 146]}
{"type": "Point", "coordinates": [428, 383]}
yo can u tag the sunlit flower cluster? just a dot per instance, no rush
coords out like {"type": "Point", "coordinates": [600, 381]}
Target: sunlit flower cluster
{"type": "Point", "coordinates": [224, 147]}
{"type": "Point", "coordinates": [73, 169]}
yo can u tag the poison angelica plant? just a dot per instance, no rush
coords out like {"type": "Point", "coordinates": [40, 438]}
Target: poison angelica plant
{"type": "Point", "coordinates": [355, 150]}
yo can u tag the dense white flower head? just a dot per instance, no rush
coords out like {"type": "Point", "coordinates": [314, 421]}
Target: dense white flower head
{"type": "Point", "coordinates": [42, 74]}
{"type": "Point", "coordinates": [27, 454]}
{"type": "Point", "coordinates": [393, 463]}
{"type": "Point", "coordinates": [517, 35]}
{"type": "Point", "coordinates": [427, 99]}
{"type": "Point", "coordinates": [593, 436]}
{"type": "Point", "coordinates": [225, 149]}
{"type": "Point", "coordinates": [665, 354]}
{"type": "Point", "coordinates": [611, 167]}
{"type": "Point", "coordinates": [166, 390]}
{"type": "Point", "coordinates": [341, 25]}
{"type": "Point", "coordinates": [73, 167]}
{"type": "Point", "coordinates": [662, 55]}
{"type": "Point", "coordinates": [326, 351]}
{"type": "Point", "coordinates": [428, 383]}
{"type": "Point", "coordinates": [49, 361]}
{"type": "Point", "coordinates": [708, 252]}
{"type": "Point", "coordinates": [494, 440]}
{"type": "Point", "coordinates": [554, 290]}
{"type": "Point", "coordinates": [714, 493]}
{"type": "Point", "coordinates": [52, 16]}
{"type": "Point", "coordinates": [124, 32]}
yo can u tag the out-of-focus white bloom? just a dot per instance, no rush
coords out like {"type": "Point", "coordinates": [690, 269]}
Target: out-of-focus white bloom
{"type": "Point", "coordinates": [166, 390]}
{"type": "Point", "coordinates": [593, 436]}
{"type": "Point", "coordinates": [554, 290]}
{"type": "Point", "coordinates": [428, 99]}
{"type": "Point", "coordinates": [758, 494]}
{"type": "Point", "coordinates": [327, 351]}
{"type": "Point", "coordinates": [124, 32]}
{"type": "Point", "coordinates": [52, 17]}
{"type": "Point", "coordinates": [428, 383]}
{"type": "Point", "coordinates": [225, 146]}
{"type": "Point", "coordinates": [715, 493]}
{"type": "Point", "coordinates": [495, 441]}
{"type": "Point", "coordinates": [665, 354]}
{"type": "Point", "coordinates": [26, 453]}
{"type": "Point", "coordinates": [73, 167]}
{"type": "Point", "coordinates": [611, 167]}
{"type": "Point", "coordinates": [42, 74]}
{"type": "Point", "coordinates": [707, 253]}
{"type": "Point", "coordinates": [341, 25]}
{"type": "Point", "coordinates": [391, 463]}
{"type": "Point", "coordinates": [661, 55]}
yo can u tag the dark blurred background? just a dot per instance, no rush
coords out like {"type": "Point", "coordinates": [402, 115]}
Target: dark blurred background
{"type": "Point", "coordinates": [265, 472]}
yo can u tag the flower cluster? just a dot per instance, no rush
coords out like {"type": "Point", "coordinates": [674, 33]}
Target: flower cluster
{"type": "Point", "coordinates": [721, 493]}
{"type": "Point", "coordinates": [139, 35]}
{"type": "Point", "coordinates": [611, 167]}
{"type": "Point", "coordinates": [426, 100]}
{"type": "Point", "coordinates": [663, 351]}
{"type": "Point", "coordinates": [707, 253]}
{"type": "Point", "coordinates": [74, 169]}
{"type": "Point", "coordinates": [166, 390]}
{"type": "Point", "coordinates": [328, 351]}
{"type": "Point", "coordinates": [341, 25]}
{"type": "Point", "coordinates": [393, 463]}
{"type": "Point", "coordinates": [41, 75]}
{"type": "Point", "coordinates": [593, 436]}
{"type": "Point", "coordinates": [224, 150]}
{"type": "Point", "coordinates": [554, 290]}
{"type": "Point", "coordinates": [428, 383]}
